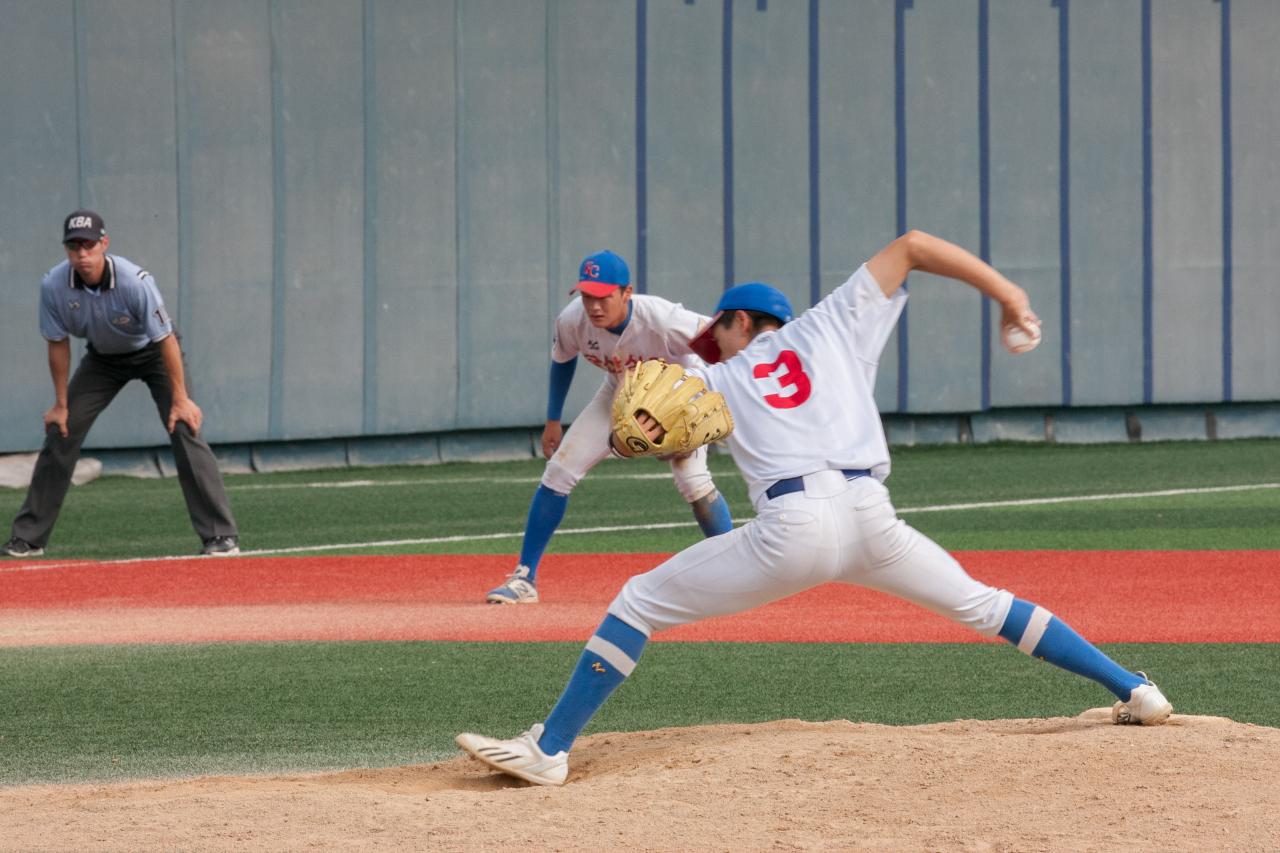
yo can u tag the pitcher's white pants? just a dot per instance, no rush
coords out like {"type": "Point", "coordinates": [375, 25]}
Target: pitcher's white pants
{"type": "Point", "coordinates": [838, 530]}
{"type": "Point", "coordinates": [586, 444]}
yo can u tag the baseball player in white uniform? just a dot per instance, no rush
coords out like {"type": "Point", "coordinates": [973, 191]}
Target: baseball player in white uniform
{"type": "Point", "coordinates": [613, 329]}
{"type": "Point", "coordinates": [808, 439]}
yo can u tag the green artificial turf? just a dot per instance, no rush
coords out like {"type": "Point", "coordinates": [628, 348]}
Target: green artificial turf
{"type": "Point", "coordinates": [114, 712]}
{"type": "Point", "coordinates": [480, 508]}
{"type": "Point", "coordinates": [117, 712]}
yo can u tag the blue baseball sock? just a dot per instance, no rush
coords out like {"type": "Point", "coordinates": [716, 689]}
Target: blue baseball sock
{"type": "Point", "coordinates": [610, 655]}
{"type": "Point", "coordinates": [712, 514]}
{"type": "Point", "coordinates": [1039, 633]}
{"type": "Point", "coordinates": [546, 510]}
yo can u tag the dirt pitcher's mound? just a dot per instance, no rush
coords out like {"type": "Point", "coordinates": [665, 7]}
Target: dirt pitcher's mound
{"type": "Point", "coordinates": [1195, 784]}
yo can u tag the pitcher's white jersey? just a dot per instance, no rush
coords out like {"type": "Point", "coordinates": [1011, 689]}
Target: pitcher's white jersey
{"type": "Point", "coordinates": [802, 397]}
{"type": "Point", "coordinates": [657, 329]}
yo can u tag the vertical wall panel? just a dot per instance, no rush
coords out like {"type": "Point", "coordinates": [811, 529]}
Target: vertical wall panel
{"type": "Point", "coordinates": [1187, 201]}
{"type": "Point", "coordinates": [1106, 202]}
{"type": "Point", "coordinates": [414, 231]}
{"type": "Point", "coordinates": [365, 214]}
{"type": "Point", "coordinates": [502, 217]}
{"type": "Point", "coordinates": [685, 153]}
{"type": "Point", "coordinates": [322, 132]}
{"type": "Point", "coordinates": [856, 150]}
{"type": "Point", "coordinates": [771, 146]}
{"type": "Point", "coordinates": [1255, 89]}
{"type": "Point", "coordinates": [126, 62]}
{"type": "Point", "coordinates": [594, 157]}
{"type": "Point", "coordinates": [38, 178]}
{"type": "Point", "coordinates": [1024, 191]}
{"type": "Point", "coordinates": [942, 198]}
{"type": "Point", "coordinates": [225, 218]}
{"type": "Point", "coordinates": [595, 119]}
{"type": "Point", "coordinates": [128, 154]}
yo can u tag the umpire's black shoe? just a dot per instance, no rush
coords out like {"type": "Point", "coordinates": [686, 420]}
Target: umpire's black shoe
{"type": "Point", "coordinates": [221, 546]}
{"type": "Point", "coordinates": [16, 547]}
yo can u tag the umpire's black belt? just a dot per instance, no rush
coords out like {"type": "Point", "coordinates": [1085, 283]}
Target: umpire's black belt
{"type": "Point", "coordinates": [796, 484]}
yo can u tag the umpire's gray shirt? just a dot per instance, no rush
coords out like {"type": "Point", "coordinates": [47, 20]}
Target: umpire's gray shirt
{"type": "Point", "coordinates": [122, 315]}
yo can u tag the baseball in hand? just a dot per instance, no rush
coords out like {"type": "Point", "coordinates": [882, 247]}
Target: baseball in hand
{"type": "Point", "coordinates": [1016, 340]}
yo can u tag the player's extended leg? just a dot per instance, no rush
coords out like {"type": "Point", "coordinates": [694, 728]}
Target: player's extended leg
{"type": "Point", "coordinates": [584, 445]}
{"type": "Point", "coordinates": [693, 480]}
{"type": "Point", "coordinates": [198, 474]}
{"type": "Point", "coordinates": [904, 562]}
{"type": "Point", "coordinates": [541, 755]}
{"type": "Point", "coordinates": [716, 576]}
{"type": "Point", "coordinates": [95, 384]}
{"type": "Point", "coordinates": [1040, 634]}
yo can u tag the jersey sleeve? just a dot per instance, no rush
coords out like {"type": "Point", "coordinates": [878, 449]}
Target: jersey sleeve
{"type": "Point", "coordinates": [862, 312]}
{"type": "Point", "coordinates": [565, 345]}
{"type": "Point", "coordinates": [150, 307]}
{"type": "Point", "coordinates": [679, 327]}
{"type": "Point", "coordinates": [876, 314]}
{"type": "Point", "coordinates": [51, 326]}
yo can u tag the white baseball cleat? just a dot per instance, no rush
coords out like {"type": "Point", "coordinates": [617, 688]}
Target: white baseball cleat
{"type": "Point", "coordinates": [520, 757]}
{"type": "Point", "coordinates": [1146, 706]}
{"type": "Point", "coordinates": [517, 589]}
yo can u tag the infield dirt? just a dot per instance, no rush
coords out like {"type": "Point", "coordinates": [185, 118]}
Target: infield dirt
{"type": "Point", "coordinates": [1059, 784]}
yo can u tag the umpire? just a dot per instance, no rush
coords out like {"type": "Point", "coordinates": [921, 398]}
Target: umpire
{"type": "Point", "coordinates": [115, 305]}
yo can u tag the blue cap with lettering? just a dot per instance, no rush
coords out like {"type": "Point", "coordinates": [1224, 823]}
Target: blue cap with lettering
{"type": "Point", "coordinates": [602, 273]}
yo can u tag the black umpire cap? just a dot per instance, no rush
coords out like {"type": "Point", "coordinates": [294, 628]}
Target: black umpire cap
{"type": "Point", "coordinates": [83, 225]}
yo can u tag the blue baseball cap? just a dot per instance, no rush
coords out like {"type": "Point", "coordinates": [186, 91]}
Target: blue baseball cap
{"type": "Point", "coordinates": [602, 273]}
{"type": "Point", "coordinates": [752, 296]}
{"type": "Point", "coordinates": [757, 296]}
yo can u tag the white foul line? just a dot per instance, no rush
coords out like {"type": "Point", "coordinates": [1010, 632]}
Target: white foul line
{"type": "Point", "coordinates": [482, 537]}
{"type": "Point", "coordinates": [1163, 493]}
{"type": "Point", "coordinates": [443, 481]}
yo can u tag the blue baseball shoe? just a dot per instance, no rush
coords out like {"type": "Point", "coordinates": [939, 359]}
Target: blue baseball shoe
{"type": "Point", "coordinates": [520, 757]}
{"type": "Point", "coordinates": [517, 589]}
{"type": "Point", "coordinates": [1146, 706]}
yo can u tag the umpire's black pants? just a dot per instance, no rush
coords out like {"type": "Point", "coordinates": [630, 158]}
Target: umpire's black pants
{"type": "Point", "coordinates": [96, 383]}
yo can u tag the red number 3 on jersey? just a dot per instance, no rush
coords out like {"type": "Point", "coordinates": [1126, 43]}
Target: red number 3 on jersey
{"type": "Point", "coordinates": [792, 376]}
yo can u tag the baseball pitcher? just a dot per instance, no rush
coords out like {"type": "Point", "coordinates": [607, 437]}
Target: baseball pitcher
{"type": "Point", "coordinates": [809, 442]}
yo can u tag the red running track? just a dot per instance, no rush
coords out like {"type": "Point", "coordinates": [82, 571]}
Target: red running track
{"type": "Point", "coordinates": [1109, 596]}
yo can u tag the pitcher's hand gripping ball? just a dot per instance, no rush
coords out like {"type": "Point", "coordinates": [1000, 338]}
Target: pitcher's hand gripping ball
{"type": "Point", "coordinates": [689, 414]}
{"type": "Point", "coordinates": [1016, 340]}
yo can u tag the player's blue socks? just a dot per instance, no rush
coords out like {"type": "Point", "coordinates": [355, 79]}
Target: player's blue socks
{"type": "Point", "coordinates": [546, 511]}
{"type": "Point", "coordinates": [1039, 633]}
{"type": "Point", "coordinates": [712, 514]}
{"type": "Point", "coordinates": [608, 659]}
